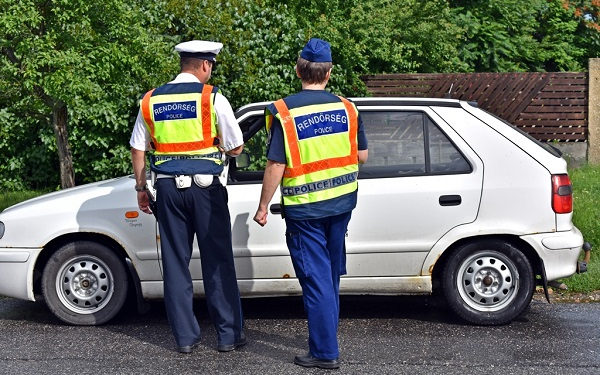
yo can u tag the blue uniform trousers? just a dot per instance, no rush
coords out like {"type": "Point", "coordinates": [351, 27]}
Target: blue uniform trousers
{"type": "Point", "coordinates": [203, 212]}
{"type": "Point", "coordinates": [318, 251]}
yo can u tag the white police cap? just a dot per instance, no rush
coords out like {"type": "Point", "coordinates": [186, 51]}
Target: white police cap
{"type": "Point", "coordinates": [200, 49]}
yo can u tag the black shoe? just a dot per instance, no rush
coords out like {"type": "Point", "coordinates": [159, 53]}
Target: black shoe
{"type": "Point", "coordinates": [229, 347]}
{"type": "Point", "coordinates": [310, 361]}
{"type": "Point", "coordinates": [188, 348]}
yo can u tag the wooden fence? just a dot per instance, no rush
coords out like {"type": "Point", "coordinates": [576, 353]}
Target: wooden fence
{"type": "Point", "coordinates": [549, 106]}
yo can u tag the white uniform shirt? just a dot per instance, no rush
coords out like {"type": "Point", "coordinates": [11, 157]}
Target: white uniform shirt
{"type": "Point", "coordinates": [230, 135]}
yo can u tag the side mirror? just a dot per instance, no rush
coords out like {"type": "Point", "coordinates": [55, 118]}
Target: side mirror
{"type": "Point", "coordinates": [242, 160]}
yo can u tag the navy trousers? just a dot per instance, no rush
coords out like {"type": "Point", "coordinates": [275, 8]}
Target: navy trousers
{"type": "Point", "coordinates": [183, 213]}
{"type": "Point", "coordinates": [318, 251]}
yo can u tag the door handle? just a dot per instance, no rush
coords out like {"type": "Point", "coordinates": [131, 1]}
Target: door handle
{"type": "Point", "coordinates": [450, 200]}
{"type": "Point", "coordinates": [275, 209]}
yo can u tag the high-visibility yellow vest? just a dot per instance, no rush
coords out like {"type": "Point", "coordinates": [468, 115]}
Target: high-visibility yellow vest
{"type": "Point", "coordinates": [181, 120]}
{"type": "Point", "coordinates": [321, 151]}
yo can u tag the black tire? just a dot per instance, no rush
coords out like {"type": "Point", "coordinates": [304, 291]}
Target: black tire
{"type": "Point", "coordinates": [488, 282]}
{"type": "Point", "coordinates": [84, 283]}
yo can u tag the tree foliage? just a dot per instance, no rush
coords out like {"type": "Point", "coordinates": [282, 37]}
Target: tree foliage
{"type": "Point", "coordinates": [260, 47]}
{"type": "Point", "coordinates": [498, 33]}
{"type": "Point", "coordinates": [516, 35]}
{"type": "Point", "coordinates": [72, 67]}
{"type": "Point", "coordinates": [587, 33]}
{"type": "Point", "coordinates": [557, 37]}
{"type": "Point", "coordinates": [72, 71]}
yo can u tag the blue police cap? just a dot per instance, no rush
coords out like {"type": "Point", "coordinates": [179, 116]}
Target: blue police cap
{"type": "Point", "coordinates": [316, 50]}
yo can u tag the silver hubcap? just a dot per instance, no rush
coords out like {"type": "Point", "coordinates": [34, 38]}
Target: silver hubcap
{"type": "Point", "coordinates": [84, 284]}
{"type": "Point", "coordinates": [488, 281]}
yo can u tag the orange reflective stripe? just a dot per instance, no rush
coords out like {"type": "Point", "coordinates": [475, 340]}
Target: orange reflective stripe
{"type": "Point", "coordinates": [145, 107]}
{"type": "Point", "coordinates": [352, 113]}
{"type": "Point", "coordinates": [207, 123]}
{"type": "Point", "coordinates": [322, 165]}
{"type": "Point", "coordinates": [299, 169]}
{"type": "Point", "coordinates": [290, 132]}
{"type": "Point", "coordinates": [184, 146]}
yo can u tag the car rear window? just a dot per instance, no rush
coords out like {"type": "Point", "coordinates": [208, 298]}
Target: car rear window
{"type": "Point", "coordinates": [546, 146]}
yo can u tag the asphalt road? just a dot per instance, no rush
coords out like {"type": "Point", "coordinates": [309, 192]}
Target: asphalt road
{"type": "Point", "coordinates": [378, 335]}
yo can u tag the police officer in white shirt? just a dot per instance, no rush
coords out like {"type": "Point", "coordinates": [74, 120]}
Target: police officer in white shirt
{"type": "Point", "coordinates": [189, 128]}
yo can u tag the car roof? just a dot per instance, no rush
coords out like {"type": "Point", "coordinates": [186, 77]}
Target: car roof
{"type": "Point", "coordinates": [374, 101]}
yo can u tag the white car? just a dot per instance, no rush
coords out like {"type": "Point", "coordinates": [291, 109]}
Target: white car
{"type": "Point", "coordinates": [452, 201]}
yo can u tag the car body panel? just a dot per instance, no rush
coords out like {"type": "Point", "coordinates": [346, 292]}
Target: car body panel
{"type": "Point", "coordinates": [559, 251]}
{"type": "Point", "coordinates": [16, 272]}
{"type": "Point", "coordinates": [290, 287]}
{"type": "Point", "coordinates": [511, 174]}
{"type": "Point", "coordinates": [398, 231]}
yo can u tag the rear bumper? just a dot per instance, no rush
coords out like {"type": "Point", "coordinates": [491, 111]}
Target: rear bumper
{"type": "Point", "coordinates": [16, 272]}
{"type": "Point", "coordinates": [558, 251]}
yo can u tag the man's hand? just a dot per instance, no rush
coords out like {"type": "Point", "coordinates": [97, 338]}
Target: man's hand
{"type": "Point", "coordinates": [144, 202]}
{"type": "Point", "coordinates": [272, 177]}
{"type": "Point", "coordinates": [261, 217]}
{"type": "Point", "coordinates": [138, 161]}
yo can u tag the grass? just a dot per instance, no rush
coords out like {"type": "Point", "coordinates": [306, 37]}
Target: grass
{"type": "Point", "coordinates": [586, 217]}
{"type": "Point", "coordinates": [10, 198]}
{"type": "Point", "coordinates": [586, 200]}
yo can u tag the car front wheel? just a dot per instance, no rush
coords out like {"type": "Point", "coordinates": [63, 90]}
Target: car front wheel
{"type": "Point", "coordinates": [488, 282]}
{"type": "Point", "coordinates": [84, 283]}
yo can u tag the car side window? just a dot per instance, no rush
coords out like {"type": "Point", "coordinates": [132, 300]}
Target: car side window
{"type": "Point", "coordinates": [443, 155]}
{"type": "Point", "coordinates": [396, 142]}
{"type": "Point", "coordinates": [401, 143]}
{"type": "Point", "coordinates": [408, 143]}
{"type": "Point", "coordinates": [255, 153]}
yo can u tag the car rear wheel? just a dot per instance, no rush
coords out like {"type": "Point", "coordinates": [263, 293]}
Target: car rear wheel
{"type": "Point", "coordinates": [84, 283]}
{"type": "Point", "coordinates": [488, 282]}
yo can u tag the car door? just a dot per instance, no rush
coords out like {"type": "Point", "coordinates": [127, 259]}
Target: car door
{"type": "Point", "coordinates": [260, 252]}
{"type": "Point", "coordinates": [420, 181]}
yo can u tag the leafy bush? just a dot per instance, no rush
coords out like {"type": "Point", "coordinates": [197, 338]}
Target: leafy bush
{"type": "Point", "coordinates": [95, 59]}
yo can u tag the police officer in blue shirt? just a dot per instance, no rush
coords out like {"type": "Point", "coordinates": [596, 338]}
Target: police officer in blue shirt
{"type": "Point", "coordinates": [316, 143]}
{"type": "Point", "coordinates": [190, 127]}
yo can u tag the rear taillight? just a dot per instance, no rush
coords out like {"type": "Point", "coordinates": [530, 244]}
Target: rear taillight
{"type": "Point", "coordinates": [562, 194]}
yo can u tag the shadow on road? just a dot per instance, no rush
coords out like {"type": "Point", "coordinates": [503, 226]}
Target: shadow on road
{"type": "Point", "coordinates": [422, 308]}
